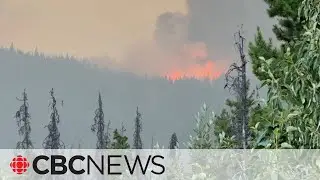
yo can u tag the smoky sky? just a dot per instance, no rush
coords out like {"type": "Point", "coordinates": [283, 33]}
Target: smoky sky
{"type": "Point", "coordinates": [142, 36]}
{"type": "Point", "coordinates": [207, 30]}
{"type": "Point", "coordinates": [107, 27]}
{"type": "Point", "coordinates": [215, 22]}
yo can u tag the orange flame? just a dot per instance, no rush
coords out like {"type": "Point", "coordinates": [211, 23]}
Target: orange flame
{"type": "Point", "coordinates": [196, 65]}
{"type": "Point", "coordinates": [208, 71]}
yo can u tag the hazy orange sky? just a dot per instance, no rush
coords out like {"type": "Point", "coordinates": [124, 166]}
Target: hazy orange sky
{"type": "Point", "coordinates": [81, 27]}
{"type": "Point", "coordinates": [154, 37]}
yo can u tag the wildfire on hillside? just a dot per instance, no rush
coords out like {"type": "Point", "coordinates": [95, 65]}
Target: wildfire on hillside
{"type": "Point", "coordinates": [194, 64]}
{"type": "Point", "coordinates": [188, 62]}
{"type": "Point", "coordinates": [171, 54]}
{"type": "Point", "coordinates": [207, 71]}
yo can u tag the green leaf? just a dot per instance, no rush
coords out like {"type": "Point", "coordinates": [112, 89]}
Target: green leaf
{"type": "Point", "coordinates": [291, 128]}
{"type": "Point", "coordinates": [286, 146]}
{"type": "Point", "coordinates": [264, 143]}
{"type": "Point", "coordinates": [261, 136]}
{"type": "Point", "coordinates": [293, 114]}
{"type": "Point", "coordinates": [257, 125]}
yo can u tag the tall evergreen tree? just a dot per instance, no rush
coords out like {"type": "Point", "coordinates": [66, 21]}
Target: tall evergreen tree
{"type": "Point", "coordinates": [23, 120]}
{"type": "Point", "coordinates": [99, 126]}
{"type": "Point", "coordinates": [52, 141]}
{"type": "Point", "coordinates": [137, 142]}
{"type": "Point", "coordinates": [261, 47]}
{"type": "Point", "coordinates": [286, 11]}
{"type": "Point", "coordinates": [173, 144]}
{"type": "Point", "coordinates": [287, 30]}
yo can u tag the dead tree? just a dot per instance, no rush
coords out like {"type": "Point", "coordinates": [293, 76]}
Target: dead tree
{"type": "Point", "coordinates": [237, 82]}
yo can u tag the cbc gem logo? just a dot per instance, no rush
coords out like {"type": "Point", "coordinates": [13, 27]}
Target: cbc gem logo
{"type": "Point", "coordinates": [19, 164]}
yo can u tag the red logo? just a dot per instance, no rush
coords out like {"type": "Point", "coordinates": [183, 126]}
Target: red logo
{"type": "Point", "coordinates": [19, 165]}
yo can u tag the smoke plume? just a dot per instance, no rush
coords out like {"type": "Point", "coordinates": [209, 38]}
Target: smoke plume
{"type": "Point", "coordinates": [171, 54]}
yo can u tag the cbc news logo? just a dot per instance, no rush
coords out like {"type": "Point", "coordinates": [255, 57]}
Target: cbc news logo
{"type": "Point", "coordinates": [19, 164]}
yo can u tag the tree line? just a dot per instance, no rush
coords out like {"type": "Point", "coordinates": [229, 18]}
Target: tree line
{"type": "Point", "coordinates": [105, 139]}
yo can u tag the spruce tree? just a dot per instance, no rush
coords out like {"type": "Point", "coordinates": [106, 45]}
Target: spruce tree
{"type": "Point", "coordinates": [137, 142]}
{"type": "Point", "coordinates": [52, 141]}
{"type": "Point", "coordinates": [99, 126]}
{"type": "Point", "coordinates": [260, 47]}
{"type": "Point", "coordinates": [286, 11]}
{"type": "Point", "coordinates": [173, 144]}
{"type": "Point", "coordinates": [287, 30]}
{"type": "Point", "coordinates": [23, 120]}
{"type": "Point", "coordinates": [119, 141]}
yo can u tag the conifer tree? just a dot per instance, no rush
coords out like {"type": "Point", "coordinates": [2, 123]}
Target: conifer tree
{"type": "Point", "coordinates": [260, 47]}
{"type": "Point", "coordinates": [288, 25]}
{"type": "Point", "coordinates": [52, 141]}
{"type": "Point", "coordinates": [287, 30]}
{"type": "Point", "coordinates": [23, 120]}
{"type": "Point", "coordinates": [119, 141]}
{"type": "Point", "coordinates": [173, 144]}
{"type": "Point", "coordinates": [137, 142]}
{"type": "Point", "coordinates": [99, 125]}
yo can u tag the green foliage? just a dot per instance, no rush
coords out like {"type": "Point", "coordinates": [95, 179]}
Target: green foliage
{"type": "Point", "coordinates": [293, 99]}
{"type": "Point", "coordinates": [223, 123]}
{"type": "Point", "coordinates": [287, 12]}
{"type": "Point", "coordinates": [227, 142]}
{"type": "Point", "coordinates": [210, 131]}
{"type": "Point", "coordinates": [204, 132]}
{"type": "Point", "coordinates": [226, 124]}
{"type": "Point", "coordinates": [119, 141]}
{"type": "Point", "coordinates": [288, 28]}
{"type": "Point", "coordinates": [261, 47]}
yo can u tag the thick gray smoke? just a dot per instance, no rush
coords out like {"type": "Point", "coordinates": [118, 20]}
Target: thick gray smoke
{"type": "Point", "coordinates": [187, 43]}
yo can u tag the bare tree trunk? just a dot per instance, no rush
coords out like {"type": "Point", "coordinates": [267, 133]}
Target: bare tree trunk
{"type": "Point", "coordinates": [239, 85]}
{"type": "Point", "coordinates": [244, 93]}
